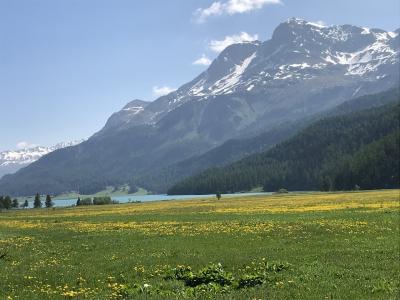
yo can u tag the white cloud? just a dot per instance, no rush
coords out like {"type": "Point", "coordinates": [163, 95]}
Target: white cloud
{"type": "Point", "coordinates": [162, 90]}
{"type": "Point", "coordinates": [231, 7]}
{"type": "Point", "coordinates": [202, 61]}
{"type": "Point", "coordinates": [219, 45]}
{"type": "Point", "coordinates": [25, 145]}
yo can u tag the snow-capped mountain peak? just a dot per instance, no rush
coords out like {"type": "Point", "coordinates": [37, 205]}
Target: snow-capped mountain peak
{"type": "Point", "coordinates": [304, 69]}
{"type": "Point", "coordinates": [298, 52]}
{"type": "Point", "coordinates": [12, 160]}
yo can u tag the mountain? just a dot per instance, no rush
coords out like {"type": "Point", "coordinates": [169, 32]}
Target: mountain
{"type": "Point", "coordinates": [359, 148]}
{"type": "Point", "coordinates": [340, 60]}
{"type": "Point", "coordinates": [134, 110]}
{"type": "Point", "coordinates": [250, 88]}
{"type": "Point", "coordinates": [13, 160]}
{"type": "Point", "coordinates": [235, 149]}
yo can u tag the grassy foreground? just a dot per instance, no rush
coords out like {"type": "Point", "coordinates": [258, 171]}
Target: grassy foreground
{"type": "Point", "coordinates": [294, 246]}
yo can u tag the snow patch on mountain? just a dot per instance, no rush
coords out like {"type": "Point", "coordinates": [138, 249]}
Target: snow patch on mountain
{"type": "Point", "coordinates": [298, 50]}
{"type": "Point", "coordinates": [30, 155]}
{"type": "Point", "coordinates": [319, 25]}
{"type": "Point", "coordinates": [134, 109]}
{"type": "Point", "coordinates": [367, 59]}
{"type": "Point", "coordinates": [225, 84]}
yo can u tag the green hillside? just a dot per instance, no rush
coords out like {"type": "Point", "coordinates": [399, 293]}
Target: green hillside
{"type": "Point", "coordinates": [160, 179]}
{"type": "Point", "coordinates": [340, 152]}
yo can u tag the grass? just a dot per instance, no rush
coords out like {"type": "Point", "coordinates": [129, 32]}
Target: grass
{"type": "Point", "coordinates": [291, 246]}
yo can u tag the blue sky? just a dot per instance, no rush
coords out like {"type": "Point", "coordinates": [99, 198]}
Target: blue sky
{"type": "Point", "coordinates": [67, 65]}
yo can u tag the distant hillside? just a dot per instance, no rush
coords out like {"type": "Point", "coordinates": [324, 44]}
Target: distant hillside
{"type": "Point", "coordinates": [161, 179]}
{"type": "Point", "coordinates": [359, 148]}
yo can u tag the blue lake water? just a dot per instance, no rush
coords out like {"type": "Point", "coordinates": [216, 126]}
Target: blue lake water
{"type": "Point", "coordinates": [145, 198]}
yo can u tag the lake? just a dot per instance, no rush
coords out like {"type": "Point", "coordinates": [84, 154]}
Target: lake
{"type": "Point", "coordinates": [144, 198]}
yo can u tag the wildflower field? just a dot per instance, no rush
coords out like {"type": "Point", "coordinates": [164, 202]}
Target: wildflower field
{"type": "Point", "coordinates": [286, 246]}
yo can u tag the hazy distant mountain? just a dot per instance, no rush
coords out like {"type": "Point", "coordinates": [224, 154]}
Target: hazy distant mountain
{"type": "Point", "coordinates": [13, 160]}
{"type": "Point", "coordinates": [249, 88]}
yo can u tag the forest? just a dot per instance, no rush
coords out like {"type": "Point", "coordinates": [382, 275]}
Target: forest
{"type": "Point", "coordinates": [161, 179]}
{"type": "Point", "coordinates": [357, 150]}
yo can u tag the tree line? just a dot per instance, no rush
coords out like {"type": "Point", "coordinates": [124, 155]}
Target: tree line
{"type": "Point", "coordinates": [104, 200]}
{"type": "Point", "coordinates": [37, 203]}
{"type": "Point", "coordinates": [7, 203]}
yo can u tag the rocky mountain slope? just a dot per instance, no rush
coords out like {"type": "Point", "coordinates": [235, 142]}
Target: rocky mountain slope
{"type": "Point", "coordinates": [304, 69]}
{"type": "Point", "coordinates": [299, 55]}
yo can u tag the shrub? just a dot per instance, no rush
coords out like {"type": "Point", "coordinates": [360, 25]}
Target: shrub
{"type": "Point", "coordinates": [247, 281]}
{"type": "Point", "coordinates": [207, 283]}
{"type": "Point", "coordinates": [213, 273]}
{"type": "Point", "coordinates": [102, 200]}
{"type": "Point", "coordinates": [85, 201]}
{"type": "Point", "coordinates": [282, 191]}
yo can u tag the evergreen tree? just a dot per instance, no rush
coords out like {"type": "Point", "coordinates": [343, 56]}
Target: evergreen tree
{"type": "Point", "coordinates": [15, 203]}
{"type": "Point", "coordinates": [37, 203]}
{"type": "Point", "coordinates": [7, 202]}
{"type": "Point", "coordinates": [48, 201]}
{"type": "Point", "coordinates": [26, 204]}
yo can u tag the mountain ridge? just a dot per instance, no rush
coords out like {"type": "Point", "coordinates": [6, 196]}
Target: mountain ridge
{"type": "Point", "coordinates": [13, 160]}
{"type": "Point", "coordinates": [249, 88]}
{"type": "Point", "coordinates": [231, 62]}
{"type": "Point", "coordinates": [236, 149]}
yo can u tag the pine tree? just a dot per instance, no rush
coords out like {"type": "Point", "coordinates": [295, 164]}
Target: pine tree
{"type": "Point", "coordinates": [7, 202]}
{"type": "Point", "coordinates": [48, 201]}
{"type": "Point", "coordinates": [37, 203]}
{"type": "Point", "coordinates": [15, 203]}
{"type": "Point", "coordinates": [26, 204]}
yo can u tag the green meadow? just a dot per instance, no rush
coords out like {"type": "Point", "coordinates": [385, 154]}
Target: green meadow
{"type": "Point", "coordinates": [282, 246]}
